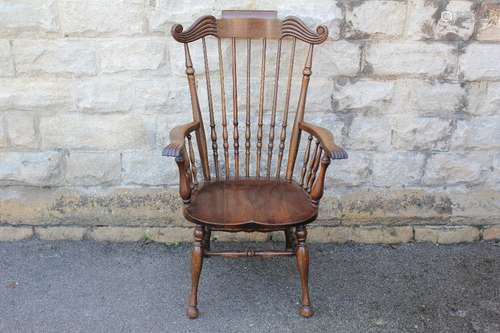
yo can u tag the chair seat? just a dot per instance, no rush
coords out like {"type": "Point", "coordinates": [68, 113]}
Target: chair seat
{"type": "Point", "coordinates": [240, 202]}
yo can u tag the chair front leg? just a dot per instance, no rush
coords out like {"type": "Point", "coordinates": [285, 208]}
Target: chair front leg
{"type": "Point", "coordinates": [196, 265]}
{"type": "Point", "coordinates": [302, 254]}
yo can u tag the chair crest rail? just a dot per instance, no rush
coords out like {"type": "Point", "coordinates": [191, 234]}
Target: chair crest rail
{"type": "Point", "coordinates": [249, 26]}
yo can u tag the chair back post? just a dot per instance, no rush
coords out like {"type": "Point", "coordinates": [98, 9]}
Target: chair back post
{"type": "Point", "coordinates": [299, 117]}
{"type": "Point", "coordinates": [213, 131]}
{"type": "Point", "coordinates": [195, 105]}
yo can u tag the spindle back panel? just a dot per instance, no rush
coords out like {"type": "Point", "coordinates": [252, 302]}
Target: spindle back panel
{"type": "Point", "coordinates": [248, 76]}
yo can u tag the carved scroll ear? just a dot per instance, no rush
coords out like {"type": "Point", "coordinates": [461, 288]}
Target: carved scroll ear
{"type": "Point", "coordinates": [294, 27]}
{"type": "Point", "coordinates": [204, 26]}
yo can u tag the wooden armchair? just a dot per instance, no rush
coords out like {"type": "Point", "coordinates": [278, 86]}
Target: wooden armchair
{"type": "Point", "coordinates": [251, 196]}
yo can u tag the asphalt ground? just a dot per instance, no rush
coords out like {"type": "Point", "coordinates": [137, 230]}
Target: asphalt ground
{"type": "Point", "coordinates": [142, 287]}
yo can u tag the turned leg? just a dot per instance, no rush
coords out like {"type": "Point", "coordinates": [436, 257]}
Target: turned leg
{"type": "Point", "coordinates": [206, 239]}
{"type": "Point", "coordinates": [302, 254]}
{"type": "Point", "coordinates": [289, 239]}
{"type": "Point", "coordinates": [196, 264]}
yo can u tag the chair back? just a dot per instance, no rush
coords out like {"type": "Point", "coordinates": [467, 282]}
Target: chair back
{"type": "Point", "coordinates": [266, 89]}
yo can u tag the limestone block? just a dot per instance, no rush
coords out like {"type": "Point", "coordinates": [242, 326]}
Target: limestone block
{"type": "Point", "coordinates": [94, 132]}
{"type": "Point", "coordinates": [8, 234]}
{"type": "Point", "coordinates": [36, 94]}
{"type": "Point", "coordinates": [150, 168]}
{"type": "Point", "coordinates": [363, 95]}
{"type": "Point", "coordinates": [451, 168]}
{"type": "Point", "coordinates": [369, 133]}
{"type": "Point", "coordinates": [94, 17]}
{"type": "Point", "coordinates": [63, 56]}
{"type": "Point", "coordinates": [430, 97]}
{"type": "Point", "coordinates": [354, 171]}
{"type": "Point", "coordinates": [478, 133]}
{"type": "Point", "coordinates": [30, 168]}
{"type": "Point", "coordinates": [417, 133]}
{"type": "Point", "coordinates": [397, 169]}
{"type": "Point", "coordinates": [21, 129]}
{"type": "Point", "coordinates": [446, 234]}
{"type": "Point", "coordinates": [22, 17]}
{"type": "Point", "coordinates": [93, 168]}
{"type": "Point", "coordinates": [335, 58]}
{"type": "Point", "coordinates": [491, 233]}
{"type": "Point", "coordinates": [382, 235]}
{"type": "Point", "coordinates": [6, 62]}
{"type": "Point", "coordinates": [478, 62]}
{"type": "Point", "coordinates": [131, 54]}
{"type": "Point", "coordinates": [373, 19]}
{"type": "Point", "coordinates": [60, 233]}
{"type": "Point", "coordinates": [484, 99]}
{"type": "Point", "coordinates": [410, 58]}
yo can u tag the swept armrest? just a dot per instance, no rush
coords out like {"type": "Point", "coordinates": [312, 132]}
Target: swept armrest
{"type": "Point", "coordinates": [325, 138]}
{"type": "Point", "coordinates": [176, 149]}
{"type": "Point", "coordinates": [177, 138]}
{"type": "Point", "coordinates": [332, 151]}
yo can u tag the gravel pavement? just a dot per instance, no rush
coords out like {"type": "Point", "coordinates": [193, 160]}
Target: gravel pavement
{"type": "Point", "coordinates": [142, 287]}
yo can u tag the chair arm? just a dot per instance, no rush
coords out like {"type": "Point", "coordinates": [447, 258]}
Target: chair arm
{"type": "Point", "coordinates": [177, 138]}
{"type": "Point", "coordinates": [176, 149]}
{"type": "Point", "coordinates": [326, 141]}
{"type": "Point", "coordinates": [332, 151]}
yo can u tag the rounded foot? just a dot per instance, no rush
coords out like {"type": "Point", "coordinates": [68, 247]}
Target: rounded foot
{"type": "Point", "coordinates": [192, 312]}
{"type": "Point", "coordinates": [306, 311]}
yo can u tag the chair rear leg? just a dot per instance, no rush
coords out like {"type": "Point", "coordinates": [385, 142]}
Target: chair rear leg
{"type": "Point", "coordinates": [206, 239]}
{"type": "Point", "coordinates": [289, 239]}
{"type": "Point", "coordinates": [302, 254]}
{"type": "Point", "coordinates": [196, 265]}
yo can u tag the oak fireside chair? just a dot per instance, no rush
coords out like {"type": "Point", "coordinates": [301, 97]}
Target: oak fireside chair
{"type": "Point", "coordinates": [250, 197]}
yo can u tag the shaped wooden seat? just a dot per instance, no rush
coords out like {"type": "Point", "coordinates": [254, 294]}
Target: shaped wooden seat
{"type": "Point", "coordinates": [260, 189]}
{"type": "Point", "coordinates": [245, 203]}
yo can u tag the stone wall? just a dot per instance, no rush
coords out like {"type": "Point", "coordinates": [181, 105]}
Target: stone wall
{"type": "Point", "coordinates": [89, 90]}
